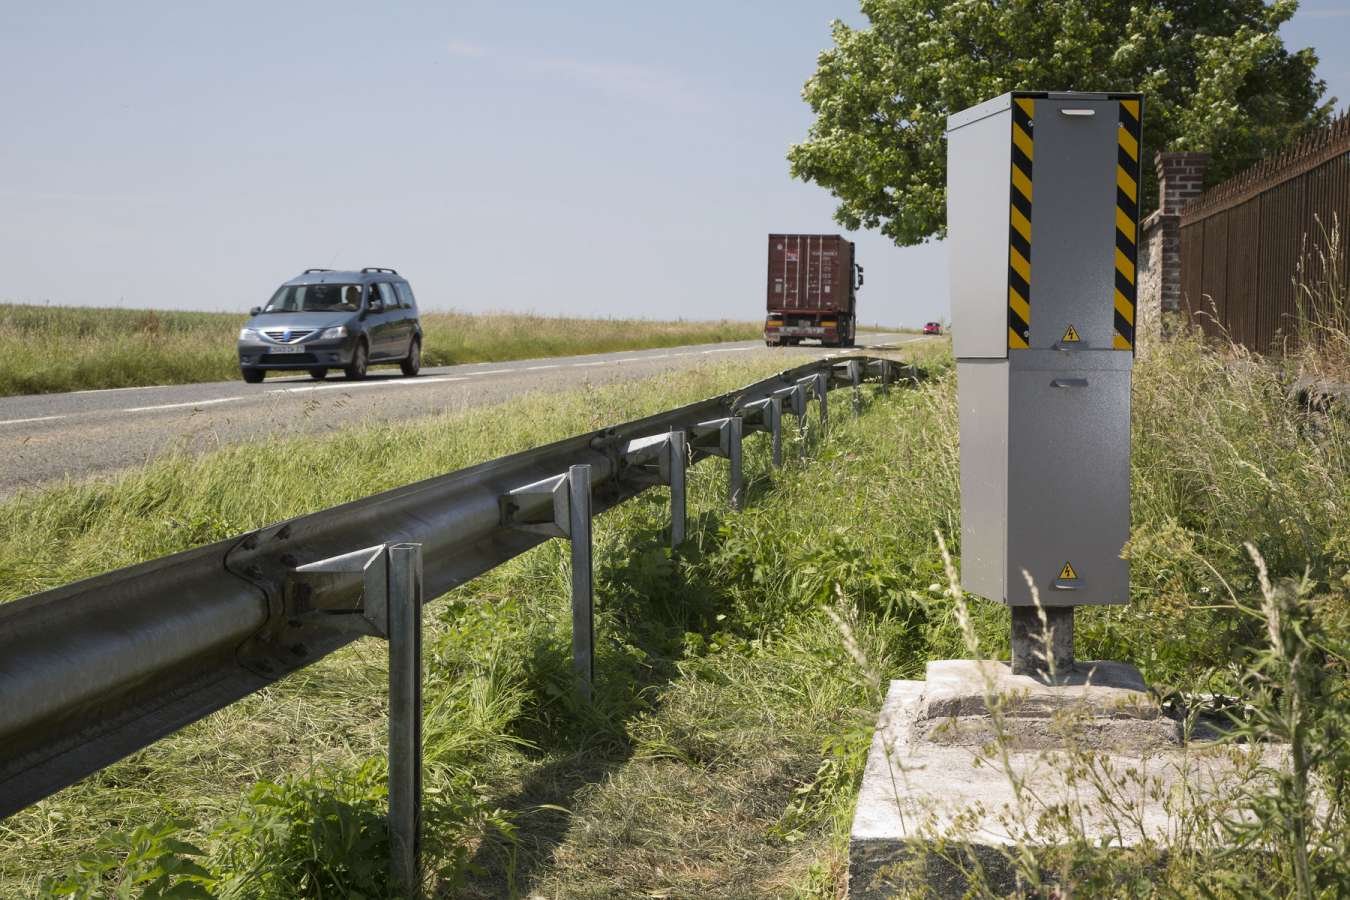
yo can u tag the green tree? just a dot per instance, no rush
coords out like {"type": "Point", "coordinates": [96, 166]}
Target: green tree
{"type": "Point", "coordinates": [1215, 74]}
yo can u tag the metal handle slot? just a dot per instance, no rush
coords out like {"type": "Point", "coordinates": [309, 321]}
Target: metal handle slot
{"type": "Point", "coordinates": [1078, 113]}
{"type": "Point", "coordinates": [1065, 584]}
{"type": "Point", "coordinates": [1069, 383]}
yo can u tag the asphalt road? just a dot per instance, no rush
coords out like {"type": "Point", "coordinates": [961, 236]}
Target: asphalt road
{"type": "Point", "coordinates": [47, 437]}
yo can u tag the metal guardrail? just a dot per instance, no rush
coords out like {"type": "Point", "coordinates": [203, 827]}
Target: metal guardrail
{"type": "Point", "coordinates": [97, 669]}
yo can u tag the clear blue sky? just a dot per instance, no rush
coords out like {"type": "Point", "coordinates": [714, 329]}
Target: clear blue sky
{"type": "Point", "coordinates": [605, 158]}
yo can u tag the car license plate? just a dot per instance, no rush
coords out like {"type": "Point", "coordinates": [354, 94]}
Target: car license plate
{"type": "Point", "coordinates": [296, 348]}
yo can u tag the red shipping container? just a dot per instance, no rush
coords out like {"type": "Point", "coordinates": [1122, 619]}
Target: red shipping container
{"type": "Point", "coordinates": [812, 290]}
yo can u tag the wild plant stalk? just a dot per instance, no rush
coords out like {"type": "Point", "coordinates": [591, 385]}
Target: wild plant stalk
{"type": "Point", "coordinates": [1322, 323]}
{"type": "Point", "coordinates": [1284, 715]}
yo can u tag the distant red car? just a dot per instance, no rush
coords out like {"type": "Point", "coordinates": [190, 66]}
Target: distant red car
{"type": "Point", "coordinates": [933, 328]}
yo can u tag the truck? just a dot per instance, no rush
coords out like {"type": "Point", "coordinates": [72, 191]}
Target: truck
{"type": "Point", "coordinates": [812, 290]}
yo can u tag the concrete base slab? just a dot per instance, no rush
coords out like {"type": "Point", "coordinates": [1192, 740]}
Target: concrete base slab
{"type": "Point", "coordinates": [964, 687]}
{"type": "Point", "coordinates": [919, 793]}
{"type": "Point", "coordinates": [1099, 705]}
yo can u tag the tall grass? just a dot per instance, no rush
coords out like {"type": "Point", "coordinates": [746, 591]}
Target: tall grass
{"type": "Point", "coordinates": [737, 680]}
{"type": "Point", "coordinates": [506, 744]}
{"type": "Point", "coordinates": [54, 348]}
{"type": "Point", "coordinates": [1321, 332]}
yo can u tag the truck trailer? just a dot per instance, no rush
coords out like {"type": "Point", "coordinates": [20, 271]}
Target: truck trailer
{"type": "Point", "coordinates": [812, 291]}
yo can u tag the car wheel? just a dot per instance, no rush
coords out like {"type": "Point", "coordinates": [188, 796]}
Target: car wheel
{"type": "Point", "coordinates": [412, 363]}
{"type": "Point", "coordinates": [318, 374]}
{"type": "Point", "coordinates": [360, 360]}
{"type": "Point", "coordinates": [252, 376]}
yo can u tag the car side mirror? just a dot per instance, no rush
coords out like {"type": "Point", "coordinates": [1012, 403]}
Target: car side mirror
{"type": "Point", "coordinates": [376, 306]}
{"type": "Point", "coordinates": [255, 310]}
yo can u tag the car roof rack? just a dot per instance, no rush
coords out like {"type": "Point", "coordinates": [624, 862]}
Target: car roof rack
{"type": "Point", "coordinates": [378, 269]}
{"type": "Point", "coordinates": [309, 271]}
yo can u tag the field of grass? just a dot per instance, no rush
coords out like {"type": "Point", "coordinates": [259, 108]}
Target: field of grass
{"type": "Point", "coordinates": [737, 681]}
{"type": "Point", "coordinates": [48, 349]}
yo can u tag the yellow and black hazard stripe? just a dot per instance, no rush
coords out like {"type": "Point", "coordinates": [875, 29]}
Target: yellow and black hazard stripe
{"type": "Point", "coordinates": [1019, 224]}
{"type": "Point", "coordinates": [1127, 222]}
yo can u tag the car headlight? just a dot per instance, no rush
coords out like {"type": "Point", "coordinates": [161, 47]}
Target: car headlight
{"type": "Point", "coordinates": [248, 334]}
{"type": "Point", "coordinates": [332, 334]}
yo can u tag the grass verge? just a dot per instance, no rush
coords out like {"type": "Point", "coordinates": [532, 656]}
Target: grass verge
{"type": "Point", "coordinates": [48, 349]}
{"type": "Point", "coordinates": [737, 680]}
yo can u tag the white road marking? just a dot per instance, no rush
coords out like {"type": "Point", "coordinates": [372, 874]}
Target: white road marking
{"type": "Point", "coordinates": [355, 385]}
{"type": "Point", "coordinates": [134, 387]}
{"type": "Point", "coordinates": [181, 405]}
{"type": "Point", "coordinates": [629, 359]}
{"type": "Point", "coordinates": [34, 419]}
{"type": "Point", "coordinates": [586, 365]}
{"type": "Point", "coordinates": [730, 349]}
{"type": "Point", "coordinates": [537, 368]}
{"type": "Point", "coordinates": [339, 386]}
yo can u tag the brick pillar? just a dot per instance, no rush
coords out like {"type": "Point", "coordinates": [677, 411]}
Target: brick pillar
{"type": "Point", "coordinates": [1181, 177]}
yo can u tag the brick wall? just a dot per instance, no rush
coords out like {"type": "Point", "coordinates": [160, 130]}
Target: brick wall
{"type": "Point", "coordinates": [1181, 177]}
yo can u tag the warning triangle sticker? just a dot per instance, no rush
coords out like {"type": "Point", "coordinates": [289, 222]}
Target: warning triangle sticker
{"type": "Point", "coordinates": [1067, 573]}
{"type": "Point", "coordinates": [1070, 335]}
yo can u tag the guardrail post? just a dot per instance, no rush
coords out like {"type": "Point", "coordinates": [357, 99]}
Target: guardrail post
{"type": "Point", "coordinates": [722, 437]}
{"type": "Point", "coordinates": [765, 415]}
{"type": "Point", "coordinates": [565, 514]}
{"type": "Point", "coordinates": [583, 608]}
{"type": "Point", "coordinates": [776, 429]}
{"type": "Point", "coordinates": [405, 716]}
{"type": "Point", "coordinates": [385, 581]}
{"type": "Point", "coordinates": [822, 385]}
{"type": "Point", "coordinates": [796, 395]}
{"type": "Point", "coordinates": [819, 384]}
{"type": "Point", "coordinates": [676, 459]}
{"type": "Point", "coordinates": [736, 487]}
{"type": "Point", "coordinates": [855, 376]}
{"type": "Point", "coordinates": [661, 459]}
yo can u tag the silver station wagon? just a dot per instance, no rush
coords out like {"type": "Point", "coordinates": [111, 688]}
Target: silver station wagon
{"type": "Point", "coordinates": [324, 319]}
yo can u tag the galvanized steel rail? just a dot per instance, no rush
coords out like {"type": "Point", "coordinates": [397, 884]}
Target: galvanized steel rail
{"type": "Point", "coordinates": [95, 670]}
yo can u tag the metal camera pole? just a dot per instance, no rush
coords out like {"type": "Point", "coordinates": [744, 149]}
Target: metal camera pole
{"type": "Point", "coordinates": [1033, 651]}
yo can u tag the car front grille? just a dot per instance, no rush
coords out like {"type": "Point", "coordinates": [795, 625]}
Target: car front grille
{"type": "Point", "coordinates": [288, 359]}
{"type": "Point", "coordinates": [285, 336]}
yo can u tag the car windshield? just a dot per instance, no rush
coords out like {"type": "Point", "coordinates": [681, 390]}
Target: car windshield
{"type": "Point", "coordinates": [315, 298]}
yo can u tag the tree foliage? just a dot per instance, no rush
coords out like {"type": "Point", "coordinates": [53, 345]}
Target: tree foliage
{"type": "Point", "coordinates": [1215, 74]}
